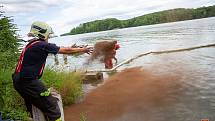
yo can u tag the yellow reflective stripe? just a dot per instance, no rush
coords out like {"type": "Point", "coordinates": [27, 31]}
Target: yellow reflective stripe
{"type": "Point", "coordinates": [46, 93]}
{"type": "Point", "coordinates": [59, 119]}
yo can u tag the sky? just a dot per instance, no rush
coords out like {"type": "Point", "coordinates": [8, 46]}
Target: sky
{"type": "Point", "coordinates": [63, 15]}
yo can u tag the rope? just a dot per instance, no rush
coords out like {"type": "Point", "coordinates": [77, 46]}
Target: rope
{"type": "Point", "coordinates": [152, 52]}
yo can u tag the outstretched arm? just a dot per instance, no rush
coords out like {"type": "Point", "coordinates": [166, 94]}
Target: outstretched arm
{"type": "Point", "coordinates": [71, 50]}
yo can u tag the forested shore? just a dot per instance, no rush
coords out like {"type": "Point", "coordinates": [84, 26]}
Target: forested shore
{"type": "Point", "coordinates": [173, 15]}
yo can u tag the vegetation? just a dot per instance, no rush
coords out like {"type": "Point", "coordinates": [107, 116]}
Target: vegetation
{"type": "Point", "coordinates": [83, 117]}
{"type": "Point", "coordinates": [173, 15]}
{"type": "Point", "coordinates": [8, 43]}
{"type": "Point", "coordinates": [11, 103]}
{"type": "Point", "coordinates": [67, 83]}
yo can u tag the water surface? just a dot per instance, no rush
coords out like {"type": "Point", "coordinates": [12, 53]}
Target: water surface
{"type": "Point", "coordinates": [195, 98]}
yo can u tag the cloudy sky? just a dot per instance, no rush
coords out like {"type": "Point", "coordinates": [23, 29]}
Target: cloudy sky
{"type": "Point", "coordinates": [63, 15]}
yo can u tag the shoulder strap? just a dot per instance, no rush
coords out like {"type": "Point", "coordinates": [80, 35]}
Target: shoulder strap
{"type": "Point", "coordinates": [18, 68]}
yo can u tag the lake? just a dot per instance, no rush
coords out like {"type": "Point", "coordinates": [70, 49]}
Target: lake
{"type": "Point", "coordinates": [196, 68]}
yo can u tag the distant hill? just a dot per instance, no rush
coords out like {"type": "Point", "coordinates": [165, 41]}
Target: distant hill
{"type": "Point", "coordinates": [166, 16]}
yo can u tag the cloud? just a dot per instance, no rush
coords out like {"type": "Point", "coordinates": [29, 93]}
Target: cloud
{"type": "Point", "coordinates": [63, 15]}
{"type": "Point", "coordinates": [86, 10]}
{"type": "Point", "coordinates": [15, 6]}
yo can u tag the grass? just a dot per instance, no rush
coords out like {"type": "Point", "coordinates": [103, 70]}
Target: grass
{"type": "Point", "coordinates": [11, 105]}
{"type": "Point", "coordinates": [83, 117]}
{"type": "Point", "coordinates": [69, 84]}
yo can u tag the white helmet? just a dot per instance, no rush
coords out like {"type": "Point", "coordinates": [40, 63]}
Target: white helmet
{"type": "Point", "coordinates": [40, 30]}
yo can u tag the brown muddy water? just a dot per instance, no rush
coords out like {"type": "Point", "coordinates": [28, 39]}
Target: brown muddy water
{"type": "Point", "coordinates": [169, 89]}
{"type": "Point", "coordinates": [172, 86]}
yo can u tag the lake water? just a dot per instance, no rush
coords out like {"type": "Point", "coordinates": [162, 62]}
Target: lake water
{"type": "Point", "coordinates": [196, 68]}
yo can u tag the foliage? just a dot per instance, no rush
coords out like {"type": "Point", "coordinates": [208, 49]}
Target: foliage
{"type": "Point", "coordinates": [68, 83]}
{"type": "Point", "coordinates": [173, 15]}
{"type": "Point", "coordinates": [10, 101]}
{"type": "Point", "coordinates": [95, 26]}
{"type": "Point", "coordinates": [8, 43]}
{"type": "Point", "coordinates": [12, 105]}
{"type": "Point", "coordinates": [83, 117]}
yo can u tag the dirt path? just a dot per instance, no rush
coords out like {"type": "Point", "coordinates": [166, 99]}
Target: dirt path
{"type": "Point", "coordinates": [131, 95]}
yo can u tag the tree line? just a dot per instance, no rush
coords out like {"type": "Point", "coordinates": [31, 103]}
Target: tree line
{"type": "Point", "coordinates": [166, 16]}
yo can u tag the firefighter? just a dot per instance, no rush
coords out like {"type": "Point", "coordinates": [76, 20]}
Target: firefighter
{"type": "Point", "coordinates": [26, 78]}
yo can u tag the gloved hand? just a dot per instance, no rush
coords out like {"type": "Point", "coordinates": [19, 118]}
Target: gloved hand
{"type": "Point", "coordinates": [87, 49]}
